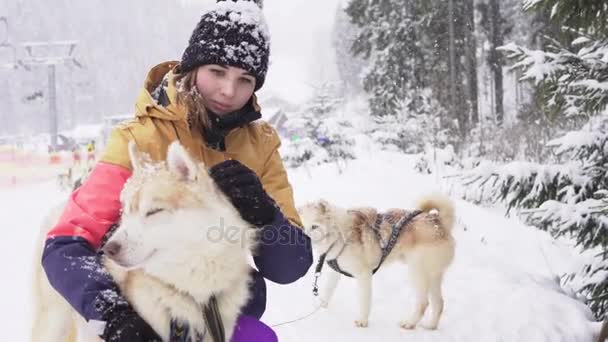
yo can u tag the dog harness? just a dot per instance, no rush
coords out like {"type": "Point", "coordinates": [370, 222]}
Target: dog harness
{"type": "Point", "coordinates": [386, 249]}
{"type": "Point", "coordinates": [181, 332]}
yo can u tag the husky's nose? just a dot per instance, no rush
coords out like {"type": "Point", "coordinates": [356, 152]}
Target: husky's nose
{"type": "Point", "coordinates": [112, 248]}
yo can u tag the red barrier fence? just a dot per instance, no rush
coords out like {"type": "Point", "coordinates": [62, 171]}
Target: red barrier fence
{"type": "Point", "coordinates": [20, 167]}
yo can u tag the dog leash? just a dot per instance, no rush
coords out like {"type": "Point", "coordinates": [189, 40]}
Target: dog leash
{"type": "Point", "coordinates": [315, 289]}
{"type": "Point", "coordinates": [333, 263]}
{"type": "Point", "coordinates": [318, 269]}
{"type": "Point", "coordinates": [298, 319]}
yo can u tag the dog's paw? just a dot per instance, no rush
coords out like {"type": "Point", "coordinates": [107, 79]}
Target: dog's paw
{"type": "Point", "coordinates": [429, 326]}
{"type": "Point", "coordinates": [407, 325]}
{"type": "Point", "coordinates": [361, 324]}
{"type": "Point", "coordinates": [324, 303]}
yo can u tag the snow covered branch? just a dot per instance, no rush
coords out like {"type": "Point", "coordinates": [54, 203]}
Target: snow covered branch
{"type": "Point", "coordinates": [574, 82]}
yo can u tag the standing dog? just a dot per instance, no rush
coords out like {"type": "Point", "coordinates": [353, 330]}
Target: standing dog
{"type": "Point", "coordinates": [425, 243]}
{"type": "Point", "coordinates": [179, 242]}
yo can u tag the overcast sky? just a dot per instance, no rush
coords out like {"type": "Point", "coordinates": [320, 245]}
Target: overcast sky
{"type": "Point", "coordinates": [302, 55]}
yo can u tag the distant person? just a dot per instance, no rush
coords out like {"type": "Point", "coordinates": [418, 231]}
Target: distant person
{"type": "Point", "coordinates": [91, 152]}
{"type": "Point", "coordinates": [207, 102]}
{"type": "Point", "coordinates": [76, 156]}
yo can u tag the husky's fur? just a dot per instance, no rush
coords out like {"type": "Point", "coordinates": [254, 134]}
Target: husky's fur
{"type": "Point", "coordinates": [425, 244]}
{"type": "Point", "coordinates": [179, 241]}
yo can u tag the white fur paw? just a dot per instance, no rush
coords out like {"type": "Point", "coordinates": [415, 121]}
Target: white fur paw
{"type": "Point", "coordinates": [429, 326]}
{"type": "Point", "coordinates": [407, 325]}
{"type": "Point", "coordinates": [361, 324]}
{"type": "Point", "coordinates": [324, 303]}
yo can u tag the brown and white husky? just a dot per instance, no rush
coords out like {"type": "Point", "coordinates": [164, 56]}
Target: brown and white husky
{"type": "Point", "coordinates": [425, 243]}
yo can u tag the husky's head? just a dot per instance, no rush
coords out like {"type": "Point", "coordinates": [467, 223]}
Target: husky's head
{"type": "Point", "coordinates": [175, 220]}
{"type": "Point", "coordinates": [320, 223]}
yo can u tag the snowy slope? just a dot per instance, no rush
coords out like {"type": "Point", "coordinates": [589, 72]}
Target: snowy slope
{"type": "Point", "coordinates": [21, 214]}
{"type": "Point", "coordinates": [501, 286]}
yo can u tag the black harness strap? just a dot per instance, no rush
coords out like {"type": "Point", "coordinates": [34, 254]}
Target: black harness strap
{"type": "Point", "coordinates": [181, 332]}
{"type": "Point", "coordinates": [333, 263]}
{"type": "Point", "coordinates": [395, 232]}
{"type": "Point", "coordinates": [213, 320]}
{"type": "Point", "coordinates": [386, 249]}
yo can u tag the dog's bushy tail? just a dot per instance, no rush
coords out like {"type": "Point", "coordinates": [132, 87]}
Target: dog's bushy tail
{"type": "Point", "coordinates": [442, 204]}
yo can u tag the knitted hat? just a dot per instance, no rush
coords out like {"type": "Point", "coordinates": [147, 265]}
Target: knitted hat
{"type": "Point", "coordinates": [234, 33]}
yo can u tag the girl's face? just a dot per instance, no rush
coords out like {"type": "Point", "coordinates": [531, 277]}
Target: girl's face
{"type": "Point", "coordinates": [224, 89]}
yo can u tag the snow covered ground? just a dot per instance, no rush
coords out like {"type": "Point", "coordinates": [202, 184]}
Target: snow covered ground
{"type": "Point", "coordinates": [501, 286]}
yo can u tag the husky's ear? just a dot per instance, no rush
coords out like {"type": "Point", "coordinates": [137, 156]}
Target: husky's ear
{"type": "Point", "coordinates": [358, 214]}
{"type": "Point", "coordinates": [323, 206]}
{"type": "Point", "coordinates": [179, 161]}
{"type": "Point", "coordinates": [361, 217]}
{"type": "Point", "coordinates": [135, 156]}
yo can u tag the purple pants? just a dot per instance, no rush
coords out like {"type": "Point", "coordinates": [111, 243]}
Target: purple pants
{"type": "Point", "coordinates": [249, 329]}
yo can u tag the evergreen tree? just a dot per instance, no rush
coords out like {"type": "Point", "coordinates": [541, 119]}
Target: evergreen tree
{"type": "Point", "coordinates": [571, 68]}
{"type": "Point", "coordinates": [349, 66]}
{"type": "Point", "coordinates": [572, 81]}
{"type": "Point", "coordinates": [495, 28]}
{"type": "Point", "coordinates": [411, 131]}
{"type": "Point", "coordinates": [407, 48]}
{"type": "Point", "coordinates": [589, 16]}
{"type": "Point", "coordinates": [320, 135]}
{"type": "Point", "coordinates": [568, 199]}
{"type": "Point", "coordinates": [388, 41]}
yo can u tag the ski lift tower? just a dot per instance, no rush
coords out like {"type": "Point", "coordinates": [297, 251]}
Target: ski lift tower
{"type": "Point", "coordinates": [8, 58]}
{"type": "Point", "coordinates": [50, 54]}
{"type": "Point", "coordinates": [7, 50]}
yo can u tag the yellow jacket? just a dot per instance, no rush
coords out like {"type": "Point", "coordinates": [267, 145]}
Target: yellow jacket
{"type": "Point", "coordinates": [155, 127]}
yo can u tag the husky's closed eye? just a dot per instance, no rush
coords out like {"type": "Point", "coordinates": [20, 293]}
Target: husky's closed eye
{"type": "Point", "coordinates": [314, 226]}
{"type": "Point", "coordinates": [154, 211]}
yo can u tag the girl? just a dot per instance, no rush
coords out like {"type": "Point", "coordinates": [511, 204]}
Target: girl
{"type": "Point", "coordinates": [207, 102]}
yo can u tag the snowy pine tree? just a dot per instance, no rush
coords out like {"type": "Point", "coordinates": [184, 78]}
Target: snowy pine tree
{"type": "Point", "coordinates": [349, 66]}
{"type": "Point", "coordinates": [570, 74]}
{"type": "Point", "coordinates": [321, 136]}
{"type": "Point", "coordinates": [408, 50]}
{"type": "Point", "coordinates": [590, 16]}
{"type": "Point", "coordinates": [572, 79]}
{"type": "Point", "coordinates": [387, 39]}
{"type": "Point", "coordinates": [411, 131]}
{"type": "Point", "coordinates": [570, 197]}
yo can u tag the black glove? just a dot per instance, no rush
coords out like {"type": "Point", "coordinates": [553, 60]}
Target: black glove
{"type": "Point", "coordinates": [123, 324]}
{"type": "Point", "coordinates": [244, 189]}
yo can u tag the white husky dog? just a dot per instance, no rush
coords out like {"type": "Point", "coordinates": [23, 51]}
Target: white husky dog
{"type": "Point", "coordinates": [168, 264]}
{"type": "Point", "coordinates": [350, 238]}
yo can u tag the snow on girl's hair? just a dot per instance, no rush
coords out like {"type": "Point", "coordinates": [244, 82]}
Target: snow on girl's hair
{"type": "Point", "coordinates": [232, 33]}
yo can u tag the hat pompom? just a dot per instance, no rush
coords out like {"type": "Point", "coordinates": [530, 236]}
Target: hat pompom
{"type": "Point", "coordinates": [260, 3]}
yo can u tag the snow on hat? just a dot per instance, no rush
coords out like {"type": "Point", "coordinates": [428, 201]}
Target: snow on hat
{"type": "Point", "coordinates": [234, 33]}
